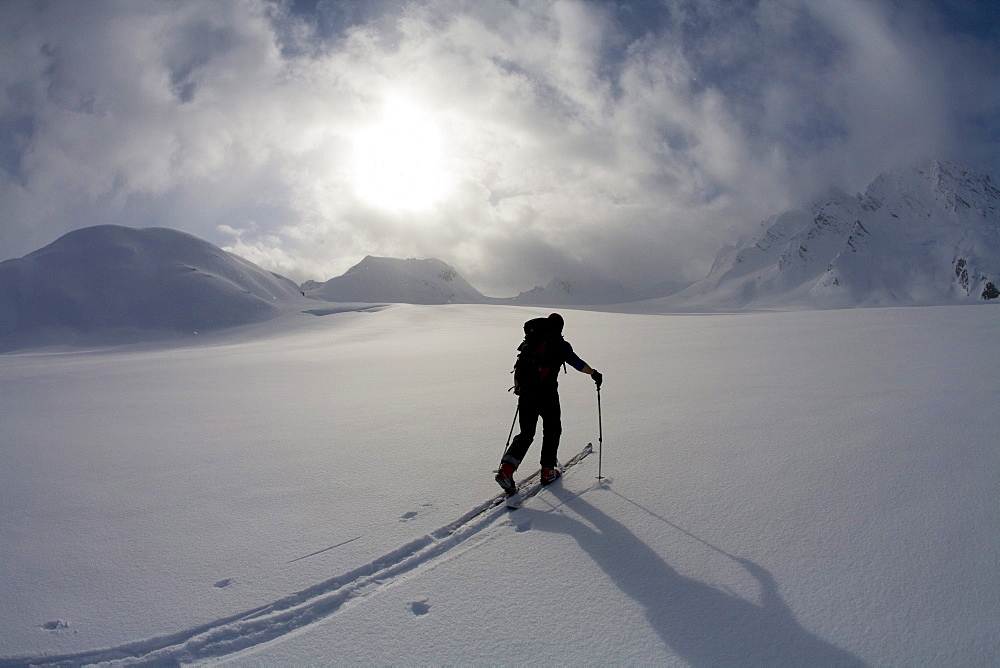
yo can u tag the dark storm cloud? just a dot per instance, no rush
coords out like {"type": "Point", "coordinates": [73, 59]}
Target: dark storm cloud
{"type": "Point", "coordinates": [624, 139]}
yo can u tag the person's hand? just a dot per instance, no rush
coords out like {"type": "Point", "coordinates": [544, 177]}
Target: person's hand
{"type": "Point", "coordinates": [598, 378]}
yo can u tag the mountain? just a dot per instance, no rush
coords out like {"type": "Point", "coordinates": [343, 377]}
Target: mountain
{"type": "Point", "coordinates": [431, 281]}
{"type": "Point", "coordinates": [590, 291]}
{"type": "Point", "coordinates": [384, 279]}
{"type": "Point", "coordinates": [562, 292]}
{"type": "Point", "coordinates": [919, 236]}
{"type": "Point", "coordinates": [113, 284]}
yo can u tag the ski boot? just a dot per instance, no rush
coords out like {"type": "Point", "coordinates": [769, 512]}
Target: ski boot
{"type": "Point", "coordinates": [505, 478]}
{"type": "Point", "coordinates": [550, 475]}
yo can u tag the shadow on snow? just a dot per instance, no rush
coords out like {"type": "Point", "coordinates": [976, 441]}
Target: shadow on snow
{"type": "Point", "coordinates": [702, 624]}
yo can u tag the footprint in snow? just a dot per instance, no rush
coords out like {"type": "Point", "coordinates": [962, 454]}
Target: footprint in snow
{"type": "Point", "coordinates": [55, 625]}
{"type": "Point", "coordinates": [420, 608]}
{"type": "Point", "coordinates": [406, 517]}
{"type": "Point", "coordinates": [222, 584]}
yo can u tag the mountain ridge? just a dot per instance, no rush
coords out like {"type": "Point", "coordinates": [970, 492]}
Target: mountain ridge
{"type": "Point", "coordinates": [384, 279]}
{"type": "Point", "coordinates": [920, 236]}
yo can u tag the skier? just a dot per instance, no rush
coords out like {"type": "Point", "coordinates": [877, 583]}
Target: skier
{"type": "Point", "coordinates": [536, 375]}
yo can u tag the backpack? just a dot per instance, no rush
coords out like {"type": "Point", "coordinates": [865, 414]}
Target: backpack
{"type": "Point", "coordinates": [539, 355]}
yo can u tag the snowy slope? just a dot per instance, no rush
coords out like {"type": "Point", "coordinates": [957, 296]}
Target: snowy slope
{"type": "Point", "coordinates": [383, 279]}
{"type": "Point", "coordinates": [111, 284]}
{"type": "Point", "coordinates": [916, 237]}
{"type": "Point", "coordinates": [811, 488]}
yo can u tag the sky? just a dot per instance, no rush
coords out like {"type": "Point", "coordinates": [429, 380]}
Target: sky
{"type": "Point", "coordinates": [517, 140]}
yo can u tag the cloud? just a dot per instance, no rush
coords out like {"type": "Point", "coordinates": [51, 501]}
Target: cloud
{"type": "Point", "coordinates": [629, 138]}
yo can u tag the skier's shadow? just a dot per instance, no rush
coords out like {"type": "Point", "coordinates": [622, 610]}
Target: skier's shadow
{"type": "Point", "coordinates": [702, 624]}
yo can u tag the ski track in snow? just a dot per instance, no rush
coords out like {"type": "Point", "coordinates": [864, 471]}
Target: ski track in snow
{"type": "Point", "coordinates": [248, 629]}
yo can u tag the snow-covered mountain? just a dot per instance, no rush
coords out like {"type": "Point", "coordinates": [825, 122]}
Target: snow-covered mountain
{"type": "Point", "coordinates": [431, 281]}
{"type": "Point", "coordinates": [590, 291]}
{"type": "Point", "coordinates": [918, 236]}
{"type": "Point", "coordinates": [560, 292]}
{"type": "Point", "coordinates": [384, 279]}
{"type": "Point", "coordinates": [111, 284]}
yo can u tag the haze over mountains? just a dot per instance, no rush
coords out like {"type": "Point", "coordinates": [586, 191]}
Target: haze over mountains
{"type": "Point", "coordinates": [382, 279]}
{"type": "Point", "coordinates": [916, 237]}
{"type": "Point", "coordinates": [921, 236]}
{"type": "Point", "coordinates": [431, 281]}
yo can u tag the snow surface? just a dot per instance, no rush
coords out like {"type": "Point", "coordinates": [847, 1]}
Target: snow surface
{"type": "Point", "coordinates": [798, 488]}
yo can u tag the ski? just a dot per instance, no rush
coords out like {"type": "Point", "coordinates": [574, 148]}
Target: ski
{"type": "Point", "coordinates": [532, 484]}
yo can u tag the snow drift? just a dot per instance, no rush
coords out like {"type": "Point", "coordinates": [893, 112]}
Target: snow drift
{"type": "Point", "coordinates": [114, 284]}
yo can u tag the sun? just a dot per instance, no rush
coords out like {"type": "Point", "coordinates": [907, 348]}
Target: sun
{"type": "Point", "coordinates": [398, 160]}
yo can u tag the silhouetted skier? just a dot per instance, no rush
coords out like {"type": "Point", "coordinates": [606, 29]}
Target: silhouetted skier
{"type": "Point", "coordinates": [536, 384]}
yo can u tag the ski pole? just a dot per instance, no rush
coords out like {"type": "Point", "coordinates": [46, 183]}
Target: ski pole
{"type": "Point", "coordinates": [600, 435]}
{"type": "Point", "coordinates": [511, 430]}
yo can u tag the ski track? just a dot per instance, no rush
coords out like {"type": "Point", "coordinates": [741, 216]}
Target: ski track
{"type": "Point", "coordinates": [248, 629]}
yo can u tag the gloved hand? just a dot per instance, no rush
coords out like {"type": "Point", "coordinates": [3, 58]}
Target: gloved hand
{"type": "Point", "coordinates": [598, 378]}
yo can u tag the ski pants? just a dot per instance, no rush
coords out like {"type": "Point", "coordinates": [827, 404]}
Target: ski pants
{"type": "Point", "coordinates": [543, 405]}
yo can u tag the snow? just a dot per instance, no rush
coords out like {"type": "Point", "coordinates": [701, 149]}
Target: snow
{"type": "Point", "coordinates": [921, 236]}
{"type": "Point", "coordinates": [584, 290]}
{"type": "Point", "coordinates": [412, 281]}
{"type": "Point", "coordinates": [796, 488]}
{"type": "Point", "coordinates": [201, 464]}
{"type": "Point", "coordinates": [928, 235]}
{"type": "Point", "coordinates": [111, 284]}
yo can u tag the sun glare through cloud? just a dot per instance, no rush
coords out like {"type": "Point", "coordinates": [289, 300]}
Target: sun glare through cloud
{"type": "Point", "coordinates": [521, 142]}
{"type": "Point", "coordinates": [398, 162]}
